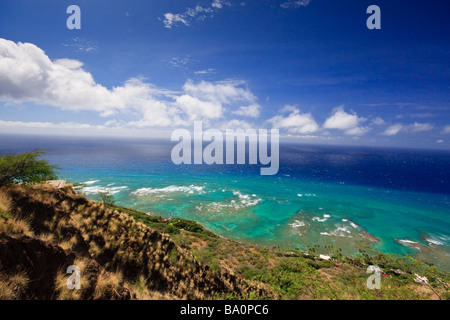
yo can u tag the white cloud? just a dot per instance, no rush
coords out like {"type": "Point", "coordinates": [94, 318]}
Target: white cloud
{"type": "Point", "coordinates": [378, 121]}
{"type": "Point", "coordinates": [236, 124]}
{"type": "Point", "coordinates": [197, 109]}
{"type": "Point", "coordinates": [341, 120]}
{"type": "Point", "coordinates": [295, 122]}
{"type": "Point", "coordinates": [179, 62]}
{"type": "Point", "coordinates": [357, 131]}
{"type": "Point", "coordinates": [110, 128]}
{"type": "Point", "coordinates": [171, 19]}
{"type": "Point", "coordinates": [221, 92]}
{"type": "Point", "coordinates": [27, 74]}
{"type": "Point", "coordinates": [39, 124]}
{"type": "Point", "coordinates": [393, 129]}
{"type": "Point", "coordinates": [295, 4]}
{"type": "Point", "coordinates": [206, 71]}
{"type": "Point", "coordinates": [248, 111]}
{"type": "Point", "coordinates": [218, 4]}
{"type": "Point", "coordinates": [349, 123]}
{"type": "Point", "coordinates": [415, 127]}
{"type": "Point", "coordinates": [200, 13]}
{"type": "Point", "coordinates": [421, 127]}
{"type": "Point", "coordinates": [81, 45]}
{"type": "Point", "coordinates": [446, 130]}
{"type": "Point", "coordinates": [207, 99]}
{"type": "Point", "coordinates": [288, 108]}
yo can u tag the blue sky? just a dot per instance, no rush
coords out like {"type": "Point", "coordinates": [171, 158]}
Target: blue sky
{"type": "Point", "coordinates": [310, 68]}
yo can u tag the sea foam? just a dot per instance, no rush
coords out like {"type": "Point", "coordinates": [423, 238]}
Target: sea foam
{"type": "Point", "coordinates": [99, 189]}
{"type": "Point", "coordinates": [325, 218]}
{"type": "Point", "coordinates": [185, 189]}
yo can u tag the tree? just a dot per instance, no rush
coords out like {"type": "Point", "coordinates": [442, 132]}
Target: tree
{"type": "Point", "coordinates": [25, 168]}
{"type": "Point", "coordinates": [106, 198]}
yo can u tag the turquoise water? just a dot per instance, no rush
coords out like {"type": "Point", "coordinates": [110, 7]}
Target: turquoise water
{"type": "Point", "coordinates": [340, 197]}
{"type": "Point", "coordinates": [285, 211]}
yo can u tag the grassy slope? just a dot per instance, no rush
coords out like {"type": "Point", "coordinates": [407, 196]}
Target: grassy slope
{"type": "Point", "coordinates": [129, 254]}
{"type": "Point", "coordinates": [298, 275]}
{"type": "Point", "coordinates": [119, 258]}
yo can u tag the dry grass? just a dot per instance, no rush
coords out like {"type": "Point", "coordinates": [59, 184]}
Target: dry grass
{"type": "Point", "coordinates": [107, 284]}
{"type": "Point", "coordinates": [64, 293]}
{"type": "Point", "coordinates": [141, 290]}
{"type": "Point", "coordinates": [113, 239]}
{"type": "Point", "coordinates": [16, 226]}
{"type": "Point", "coordinates": [95, 249]}
{"type": "Point", "coordinates": [47, 237]}
{"type": "Point", "coordinates": [5, 202]}
{"type": "Point", "coordinates": [68, 244]}
{"type": "Point", "coordinates": [65, 206]}
{"type": "Point", "coordinates": [11, 287]}
{"type": "Point", "coordinates": [113, 226]}
{"type": "Point", "coordinates": [61, 289]}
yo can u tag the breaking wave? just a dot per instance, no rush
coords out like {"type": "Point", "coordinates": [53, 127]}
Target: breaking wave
{"type": "Point", "coordinates": [181, 189]}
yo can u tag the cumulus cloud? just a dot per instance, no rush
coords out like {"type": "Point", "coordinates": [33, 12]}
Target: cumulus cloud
{"type": "Point", "coordinates": [28, 74]}
{"type": "Point", "coordinates": [295, 122]}
{"type": "Point", "coordinates": [209, 99]}
{"type": "Point", "coordinates": [197, 109]}
{"type": "Point", "coordinates": [198, 13]}
{"type": "Point", "coordinates": [349, 123]}
{"type": "Point", "coordinates": [295, 4]}
{"type": "Point", "coordinates": [248, 111]}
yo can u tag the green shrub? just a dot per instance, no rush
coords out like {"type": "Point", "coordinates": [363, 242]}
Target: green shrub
{"type": "Point", "coordinates": [106, 198]}
{"type": "Point", "coordinates": [313, 264]}
{"type": "Point", "coordinates": [25, 168]}
{"type": "Point", "coordinates": [326, 264]}
{"type": "Point", "coordinates": [251, 273]}
{"type": "Point", "coordinates": [5, 215]}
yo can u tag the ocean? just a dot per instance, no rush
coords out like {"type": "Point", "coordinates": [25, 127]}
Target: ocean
{"type": "Point", "coordinates": [393, 200]}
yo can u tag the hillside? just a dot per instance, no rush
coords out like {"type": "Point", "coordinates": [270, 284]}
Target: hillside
{"type": "Point", "coordinates": [126, 254]}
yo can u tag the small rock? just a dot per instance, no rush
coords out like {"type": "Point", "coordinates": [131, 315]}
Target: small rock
{"type": "Point", "coordinates": [421, 280]}
{"type": "Point", "coordinates": [397, 272]}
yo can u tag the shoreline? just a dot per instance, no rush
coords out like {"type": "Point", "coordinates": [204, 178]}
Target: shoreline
{"type": "Point", "coordinates": [371, 239]}
{"type": "Point", "coordinates": [366, 241]}
{"type": "Point", "coordinates": [180, 245]}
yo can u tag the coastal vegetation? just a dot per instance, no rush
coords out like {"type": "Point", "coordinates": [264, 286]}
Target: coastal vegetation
{"type": "Point", "coordinates": [25, 168]}
{"type": "Point", "coordinates": [126, 254]}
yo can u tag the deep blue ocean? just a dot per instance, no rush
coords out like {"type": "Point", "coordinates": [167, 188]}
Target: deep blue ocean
{"type": "Point", "coordinates": [394, 200]}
